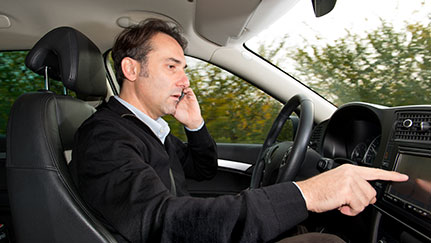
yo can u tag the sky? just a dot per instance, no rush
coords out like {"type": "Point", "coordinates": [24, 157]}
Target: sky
{"type": "Point", "coordinates": [356, 16]}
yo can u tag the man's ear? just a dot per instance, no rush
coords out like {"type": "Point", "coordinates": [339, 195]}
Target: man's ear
{"type": "Point", "coordinates": [130, 68]}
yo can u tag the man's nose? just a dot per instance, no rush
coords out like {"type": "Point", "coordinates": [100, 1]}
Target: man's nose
{"type": "Point", "coordinates": [184, 81]}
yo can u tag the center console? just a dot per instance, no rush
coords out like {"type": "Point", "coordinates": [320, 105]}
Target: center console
{"type": "Point", "coordinates": [408, 151]}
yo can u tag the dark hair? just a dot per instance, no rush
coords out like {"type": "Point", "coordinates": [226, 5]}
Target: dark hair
{"type": "Point", "coordinates": [135, 42]}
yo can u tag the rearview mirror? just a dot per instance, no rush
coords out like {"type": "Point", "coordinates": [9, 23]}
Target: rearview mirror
{"type": "Point", "coordinates": [322, 7]}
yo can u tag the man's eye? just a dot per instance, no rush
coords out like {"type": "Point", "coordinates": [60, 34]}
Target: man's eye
{"type": "Point", "coordinates": [171, 66]}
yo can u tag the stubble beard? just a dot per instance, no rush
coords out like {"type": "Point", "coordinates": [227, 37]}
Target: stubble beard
{"type": "Point", "coordinates": [170, 108]}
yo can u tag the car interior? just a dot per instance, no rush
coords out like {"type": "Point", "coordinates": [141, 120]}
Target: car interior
{"type": "Point", "coordinates": [56, 68]}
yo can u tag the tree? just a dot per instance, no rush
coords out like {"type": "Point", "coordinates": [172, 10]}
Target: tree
{"type": "Point", "coordinates": [386, 66]}
{"type": "Point", "coordinates": [16, 79]}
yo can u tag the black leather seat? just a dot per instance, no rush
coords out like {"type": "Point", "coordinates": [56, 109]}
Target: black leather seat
{"type": "Point", "coordinates": [45, 204]}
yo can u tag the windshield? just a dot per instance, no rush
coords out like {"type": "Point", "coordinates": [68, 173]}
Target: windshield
{"type": "Point", "coordinates": [368, 50]}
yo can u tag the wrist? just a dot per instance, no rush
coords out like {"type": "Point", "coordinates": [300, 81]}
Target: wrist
{"type": "Point", "coordinates": [302, 186]}
{"type": "Point", "coordinates": [195, 125]}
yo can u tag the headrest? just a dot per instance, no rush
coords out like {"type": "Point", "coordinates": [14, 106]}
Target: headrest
{"type": "Point", "coordinates": [71, 58]}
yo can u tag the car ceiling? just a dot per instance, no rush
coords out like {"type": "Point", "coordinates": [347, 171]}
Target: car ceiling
{"type": "Point", "coordinates": [215, 30]}
{"type": "Point", "coordinates": [205, 22]}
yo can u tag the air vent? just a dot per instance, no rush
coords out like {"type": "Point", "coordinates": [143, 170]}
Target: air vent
{"type": "Point", "coordinates": [317, 136]}
{"type": "Point", "coordinates": [413, 126]}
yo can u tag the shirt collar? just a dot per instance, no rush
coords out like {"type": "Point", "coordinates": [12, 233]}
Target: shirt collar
{"type": "Point", "coordinates": [159, 126]}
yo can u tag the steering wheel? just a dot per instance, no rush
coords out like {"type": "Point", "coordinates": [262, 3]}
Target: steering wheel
{"type": "Point", "coordinates": [295, 154]}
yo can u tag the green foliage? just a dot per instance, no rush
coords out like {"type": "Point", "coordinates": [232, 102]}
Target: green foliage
{"type": "Point", "coordinates": [386, 66]}
{"type": "Point", "coordinates": [16, 79]}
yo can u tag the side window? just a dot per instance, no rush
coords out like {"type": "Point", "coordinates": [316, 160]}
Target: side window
{"type": "Point", "coordinates": [234, 110]}
{"type": "Point", "coordinates": [16, 79]}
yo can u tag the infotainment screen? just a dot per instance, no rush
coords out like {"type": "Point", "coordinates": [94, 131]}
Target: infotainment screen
{"type": "Point", "coordinates": [417, 190]}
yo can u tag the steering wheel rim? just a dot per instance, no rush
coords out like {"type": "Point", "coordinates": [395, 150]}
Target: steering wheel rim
{"type": "Point", "coordinates": [291, 167]}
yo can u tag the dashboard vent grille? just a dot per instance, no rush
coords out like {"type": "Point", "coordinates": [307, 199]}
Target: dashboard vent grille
{"type": "Point", "coordinates": [409, 127]}
{"type": "Point", "coordinates": [317, 136]}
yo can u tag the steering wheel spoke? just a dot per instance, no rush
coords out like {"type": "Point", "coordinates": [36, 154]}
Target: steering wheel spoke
{"type": "Point", "coordinates": [289, 163]}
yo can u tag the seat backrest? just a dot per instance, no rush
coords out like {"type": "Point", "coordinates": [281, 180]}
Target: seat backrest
{"type": "Point", "coordinates": [45, 204]}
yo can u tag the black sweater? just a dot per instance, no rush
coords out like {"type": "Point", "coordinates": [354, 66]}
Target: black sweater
{"type": "Point", "coordinates": [122, 171]}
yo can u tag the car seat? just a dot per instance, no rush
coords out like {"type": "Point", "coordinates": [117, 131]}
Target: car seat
{"type": "Point", "coordinates": [45, 205]}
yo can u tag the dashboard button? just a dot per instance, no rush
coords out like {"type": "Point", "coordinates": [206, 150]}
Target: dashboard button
{"type": "Point", "coordinates": [389, 197]}
{"type": "Point", "coordinates": [394, 200]}
{"type": "Point", "coordinates": [422, 213]}
{"type": "Point", "coordinates": [398, 202]}
{"type": "Point", "coordinates": [409, 207]}
{"type": "Point", "coordinates": [385, 165]}
{"type": "Point", "coordinates": [378, 184]}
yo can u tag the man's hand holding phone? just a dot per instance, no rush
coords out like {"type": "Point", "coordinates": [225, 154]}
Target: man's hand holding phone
{"type": "Point", "coordinates": [188, 111]}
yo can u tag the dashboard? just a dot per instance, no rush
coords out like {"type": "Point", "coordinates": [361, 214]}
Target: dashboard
{"type": "Point", "coordinates": [353, 133]}
{"type": "Point", "coordinates": [390, 138]}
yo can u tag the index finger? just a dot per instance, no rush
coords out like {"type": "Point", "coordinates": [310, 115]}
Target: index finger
{"type": "Point", "coordinates": [188, 91]}
{"type": "Point", "coordinates": [371, 174]}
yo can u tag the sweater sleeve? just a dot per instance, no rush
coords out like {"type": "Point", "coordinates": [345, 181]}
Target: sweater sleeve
{"type": "Point", "coordinates": [258, 215]}
{"type": "Point", "coordinates": [130, 197]}
{"type": "Point", "coordinates": [199, 156]}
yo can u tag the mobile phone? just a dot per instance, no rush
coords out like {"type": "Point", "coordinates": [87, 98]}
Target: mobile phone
{"type": "Point", "coordinates": [181, 96]}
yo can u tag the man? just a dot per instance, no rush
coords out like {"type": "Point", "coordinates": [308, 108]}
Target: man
{"type": "Point", "coordinates": [131, 171]}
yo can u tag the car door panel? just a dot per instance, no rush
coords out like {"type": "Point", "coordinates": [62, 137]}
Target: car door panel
{"type": "Point", "coordinates": [234, 172]}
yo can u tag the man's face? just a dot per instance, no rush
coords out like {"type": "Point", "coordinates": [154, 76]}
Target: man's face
{"type": "Point", "coordinates": [162, 79]}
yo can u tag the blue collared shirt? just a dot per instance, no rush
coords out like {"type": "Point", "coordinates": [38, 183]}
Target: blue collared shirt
{"type": "Point", "coordinates": [159, 126]}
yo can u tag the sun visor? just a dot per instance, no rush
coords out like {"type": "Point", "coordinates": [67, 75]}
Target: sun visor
{"type": "Point", "coordinates": [217, 21]}
{"type": "Point", "coordinates": [223, 21]}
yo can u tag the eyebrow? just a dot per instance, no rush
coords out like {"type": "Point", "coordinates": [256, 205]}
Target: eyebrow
{"type": "Point", "coordinates": [176, 61]}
